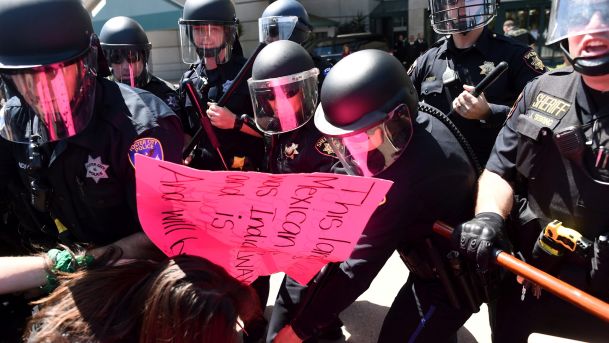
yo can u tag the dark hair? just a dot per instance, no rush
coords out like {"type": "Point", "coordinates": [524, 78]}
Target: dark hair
{"type": "Point", "coordinates": [183, 299]}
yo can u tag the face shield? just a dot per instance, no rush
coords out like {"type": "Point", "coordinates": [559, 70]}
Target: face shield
{"type": "Point", "coordinates": [201, 40]}
{"type": "Point", "coordinates": [271, 29]}
{"type": "Point", "coordinates": [129, 66]}
{"type": "Point", "coordinates": [453, 16]}
{"type": "Point", "coordinates": [285, 103]}
{"type": "Point", "coordinates": [569, 18]}
{"type": "Point", "coordinates": [54, 101]}
{"type": "Point", "coordinates": [371, 151]}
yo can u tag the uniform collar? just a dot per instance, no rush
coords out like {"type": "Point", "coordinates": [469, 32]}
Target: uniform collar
{"type": "Point", "coordinates": [482, 44]}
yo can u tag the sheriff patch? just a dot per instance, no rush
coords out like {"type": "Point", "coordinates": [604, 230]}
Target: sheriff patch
{"type": "Point", "coordinates": [486, 67]}
{"type": "Point", "coordinates": [548, 110]}
{"type": "Point", "coordinates": [147, 146]}
{"type": "Point", "coordinates": [323, 147]}
{"type": "Point", "coordinates": [533, 61]}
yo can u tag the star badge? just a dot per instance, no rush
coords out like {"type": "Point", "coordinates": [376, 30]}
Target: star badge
{"type": "Point", "coordinates": [96, 170]}
{"type": "Point", "coordinates": [486, 68]}
{"type": "Point", "coordinates": [291, 151]}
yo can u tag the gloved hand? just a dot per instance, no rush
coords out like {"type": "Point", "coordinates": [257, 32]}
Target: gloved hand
{"type": "Point", "coordinates": [478, 238]}
{"type": "Point", "coordinates": [599, 274]}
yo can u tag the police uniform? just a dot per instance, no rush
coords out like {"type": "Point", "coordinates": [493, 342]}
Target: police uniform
{"type": "Point", "coordinates": [165, 91]}
{"type": "Point", "coordinates": [240, 150]}
{"type": "Point", "coordinates": [555, 184]}
{"type": "Point", "coordinates": [90, 177]}
{"type": "Point", "coordinates": [433, 77]}
{"type": "Point", "coordinates": [432, 163]}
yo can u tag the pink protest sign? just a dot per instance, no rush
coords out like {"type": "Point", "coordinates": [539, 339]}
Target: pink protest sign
{"type": "Point", "coordinates": [255, 223]}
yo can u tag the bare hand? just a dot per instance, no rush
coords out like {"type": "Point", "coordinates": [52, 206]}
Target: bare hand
{"type": "Point", "coordinates": [470, 107]}
{"type": "Point", "coordinates": [220, 117]}
{"type": "Point", "coordinates": [287, 335]}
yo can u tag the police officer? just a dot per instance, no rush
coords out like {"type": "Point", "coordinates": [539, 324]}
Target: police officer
{"type": "Point", "coordinates": [554, 147]}
{"type": "Point", "coordinates": [208, 34]}
{"type": "Point", "coordinates": [302, 28]}
{"type": "Point", "coordinates": [74, 133]}
{"type": "Point", "coordinates": [69, 136]}
{"type": "Point", "coordinates": [445, 75]}
{"type": "Point", "coordinates": [127, 51]}
{"type": "Point", "coordinates": [284, 91]}
{"type": "Point", "coordinates": [369, 113]}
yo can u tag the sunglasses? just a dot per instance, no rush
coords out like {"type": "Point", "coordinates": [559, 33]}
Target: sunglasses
{"type": "Point", "coordinates": [269, 95]}
{"type": "Point", "coordinates": [118, 56]}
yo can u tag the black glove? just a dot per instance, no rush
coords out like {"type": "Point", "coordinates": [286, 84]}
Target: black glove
{"type": "Point", "coordinates": [478, 238]}
{"type": "Point", "coordinates": [599, 274]}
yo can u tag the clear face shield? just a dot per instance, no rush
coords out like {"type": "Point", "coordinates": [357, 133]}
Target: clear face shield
{"type": "Point", "coordinates": [271, 29]}
{"type": "Point", "coordinates": [202, 40]}
{"type": "Point", "coordinates": [129, 66]}
{"type": "Point", "coordinates": [286, 103]}
{"type": "Point", "coordinates": [369, 152]}
{"type": "Point", "coordinates": [53, 102]}
{"type": "Point", "coordinates": [569, 18]}
{"type": "Point", "coordinates": [454, 16]}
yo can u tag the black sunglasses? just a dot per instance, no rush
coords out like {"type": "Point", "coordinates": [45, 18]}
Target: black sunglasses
{"type": "Point", "coordinates": [118, 56]}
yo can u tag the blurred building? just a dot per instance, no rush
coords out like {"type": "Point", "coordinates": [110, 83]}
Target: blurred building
{"type": "Point", "coordinates": [329, 17]}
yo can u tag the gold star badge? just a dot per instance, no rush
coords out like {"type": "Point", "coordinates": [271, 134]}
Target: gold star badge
{"type": "Point", "coordinates": [486, 67]}
{"type": "Point", "coordinates": [291, 151]}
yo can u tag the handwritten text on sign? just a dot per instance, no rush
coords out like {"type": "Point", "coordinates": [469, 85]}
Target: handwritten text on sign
{"type": "Point", "coordinates": [254, 223]}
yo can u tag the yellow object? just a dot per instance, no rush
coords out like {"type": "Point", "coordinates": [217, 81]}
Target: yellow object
{"type": "Point", "coordinates": [60, 227]}
{"type": "Point", "coordinates": [238, 163]}
{"type": "Point", "coordinates": [562, 235]}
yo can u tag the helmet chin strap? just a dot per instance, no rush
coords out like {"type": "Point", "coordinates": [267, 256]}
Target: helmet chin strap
{"type": "Point", "coordinates": [587, 66]}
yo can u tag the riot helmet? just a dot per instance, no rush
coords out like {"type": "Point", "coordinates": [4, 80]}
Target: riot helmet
{"type": "Point", "coordinates": [367, 108]}
{"type": "Point", "coordinates": [283, 87]}
{"type": "Point", "coordinates": [461, 16]}
{"type": "Point", "coordinates": [208, 29]}
{"type": "Point", "coordinates": [587, 22]}
{"type": "Point", "coordinates": [48, 66]}
{"type": "Point", "coordinates": [284, 19]}
{"type": "Point", "coordinates": [127, 50]}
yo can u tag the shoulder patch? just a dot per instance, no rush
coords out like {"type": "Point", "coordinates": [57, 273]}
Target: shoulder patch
{"type": "Point", "coordinates": [548, 110]}
{"type": "Point", "coordinates": [515, 105]}
{"type": "Point", "coordinates": [323, 147]}
{"type": "Point", "coordinates": [326, 71]}
{"type": "Point", "coordinates": [533, 61]}
{"type": "Point", "coordinates": [146, 146]}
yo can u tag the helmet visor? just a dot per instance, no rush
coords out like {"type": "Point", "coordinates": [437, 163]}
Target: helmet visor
{"type": "Point", "coordinates": [286, 103]}
{"type": "Point", "coordinates": [55, 101]}
{"type": "Point", "coordinates": [271, 29]}
{"type": "Point", "coordinates": [201, 40]}
{"type": "Point", "coordinates": [452, 16]}
{"type": "Point", "coordinates": [369, 152]}
{"type": "Point", "coordinates": [577, 17]}
{"type": "Point", "coordinates": [126, 64]}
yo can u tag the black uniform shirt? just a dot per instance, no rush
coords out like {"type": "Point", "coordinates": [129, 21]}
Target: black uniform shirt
{"type": "Point", "coordinates": [212, 85]}
{"type": "Point", "coordinates": [165, 91]}
{"type": "Point", "coordinates": [471, 65]}
{"type": "Point", "coordinates": [91, 176]}
{"type": "Point", "coordinates": [432, 163]}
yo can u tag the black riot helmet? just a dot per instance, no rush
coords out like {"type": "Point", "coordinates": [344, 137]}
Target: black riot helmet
{"type": "Point", "coordinates": [127, 50]}
{"type": "Point", "coordinates": [270, 22]}
{"type": "Point", "coordinates": [283, 87]}
{"type": "Point", "coordinates": [367, 108]}
{"type": "Point", "coordinates": [208, 29]}
{"type": "Point", "coordinates": [48, 66]}
{"type": "Point", "coordinates": [573, 18]}
{"type": "Point", "coordinates": [461, 16]}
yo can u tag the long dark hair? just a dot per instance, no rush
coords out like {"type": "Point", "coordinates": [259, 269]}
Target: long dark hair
{"type": "Point", "coordinates": [183, 299]}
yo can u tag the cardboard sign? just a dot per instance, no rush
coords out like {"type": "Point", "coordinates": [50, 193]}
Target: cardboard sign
{"type": "Point", "coordinates": [255, 224]}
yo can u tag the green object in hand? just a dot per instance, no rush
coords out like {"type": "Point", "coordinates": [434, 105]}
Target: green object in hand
{"type": "Point", "coordinates": [63, 261]}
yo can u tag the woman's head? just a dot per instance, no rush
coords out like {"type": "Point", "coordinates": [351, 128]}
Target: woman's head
{"type": "Point", "coordinates": [183, 299]}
